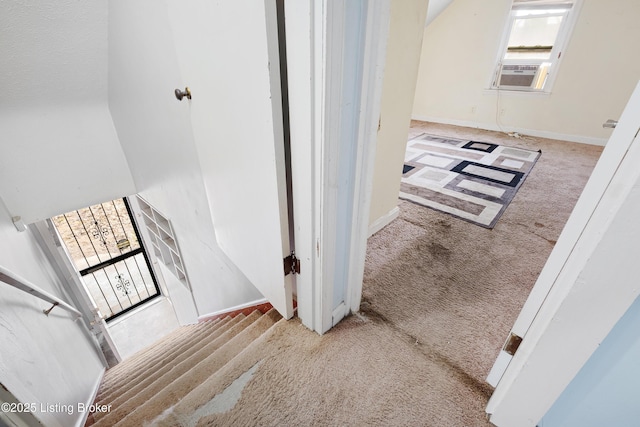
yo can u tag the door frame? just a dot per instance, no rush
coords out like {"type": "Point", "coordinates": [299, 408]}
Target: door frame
{"type": "Point", "coordinates": [573, 307]}
{"type": "Point", "coordinates": [335, 86]}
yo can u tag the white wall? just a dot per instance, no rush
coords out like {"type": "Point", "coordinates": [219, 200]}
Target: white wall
{"type": "Point", "coordinates": [53, 111]}
{"type": "Point", "coordinates": [594, 81]}
{"type": "Point", "coordinates": [43, 359]}
{"type": "Point", "coordinates": [57, 159]}
{"type": "Point", "coordinates": [155, 132]}
{"type": "Point", "coordinates": [401, 68]}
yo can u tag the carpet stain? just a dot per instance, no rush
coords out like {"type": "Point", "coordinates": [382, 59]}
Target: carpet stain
{"type": "Point", "coordinates": [484, 389]}
{"type": "Point", "coordinates": [444, 224]}
{"type": "Point", "coordinates": [224, 401]}
{"type": "Point", "coordinates": [439, 251]}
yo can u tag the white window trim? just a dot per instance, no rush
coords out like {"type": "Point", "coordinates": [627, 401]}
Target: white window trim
{"type": "Point", "coordinates": [559, 48]}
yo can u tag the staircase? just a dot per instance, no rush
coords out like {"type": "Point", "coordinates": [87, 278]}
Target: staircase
{"type": "Point", "coordinates": [145, 388]}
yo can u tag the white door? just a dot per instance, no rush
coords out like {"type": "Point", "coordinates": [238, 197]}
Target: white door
{"type": "Point", "coordinates": [601, 199]}
{"type": "Point", "coordinates": [228, 56]}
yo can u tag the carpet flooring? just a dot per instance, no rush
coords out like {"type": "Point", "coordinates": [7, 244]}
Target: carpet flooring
{"type": "Point", "coordinates": [457, 287]}
{"type": "Point", "coordinates": [440, 295]}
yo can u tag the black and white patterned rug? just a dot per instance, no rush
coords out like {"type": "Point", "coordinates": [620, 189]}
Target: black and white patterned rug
{"type": "Point", "coordinates": [471, 180]}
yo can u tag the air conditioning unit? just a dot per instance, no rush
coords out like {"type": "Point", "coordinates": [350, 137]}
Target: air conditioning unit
{"type": "Point", "coordinates": [514, 76]}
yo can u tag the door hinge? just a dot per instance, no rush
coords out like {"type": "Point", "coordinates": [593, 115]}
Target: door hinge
{"type": "Point", "coordinates": [291, 265]}
{"type": "Point", "coordinates": [512, 344]}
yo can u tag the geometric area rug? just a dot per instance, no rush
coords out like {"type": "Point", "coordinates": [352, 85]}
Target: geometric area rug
{"type": "Point", "coordinates": [471, 180]}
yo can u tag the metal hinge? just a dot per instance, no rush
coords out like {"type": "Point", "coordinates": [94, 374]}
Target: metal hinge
{"type": "Point", "coordinates": [512, 344]}
{"type": "Point", "coordinates": [291, 265]}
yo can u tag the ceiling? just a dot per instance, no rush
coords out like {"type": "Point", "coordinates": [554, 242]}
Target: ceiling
{"type": "Point", "coordinates": [53, 52]}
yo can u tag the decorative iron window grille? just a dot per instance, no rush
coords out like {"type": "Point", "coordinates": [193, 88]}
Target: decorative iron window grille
{"type": "Point", "coordinates": [104, 245]}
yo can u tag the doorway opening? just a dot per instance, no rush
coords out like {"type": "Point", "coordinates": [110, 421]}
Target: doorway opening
{"type": "Point", "coordinates": [105, 247]}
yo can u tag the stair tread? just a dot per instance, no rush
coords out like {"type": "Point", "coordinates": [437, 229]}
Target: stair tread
{"type": "Point", "coordinates": [129, 389]}
{"type": "Point", "coordinates": [221, 379]}
{"type": "Point", "coordinates": [176, 334]}
{"type": "Point", "coordinates": [154, 362]}
{"type": "Point", "coordinates": [176, 337]}
{"type": "Point", "coordinates": [128, 404]}
{"type": "Point", "coordinates": [199, 373]}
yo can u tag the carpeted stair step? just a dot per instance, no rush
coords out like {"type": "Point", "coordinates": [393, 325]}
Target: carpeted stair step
{"type": "Point", "coordinates": [127, 404]}
{"type": "Point", "coordinates": [176, 337]}
{"type": "Point", "coordinates": [172, 368]}
{"type": "Point", "coordinates": [115, 376]}
{"type": "Point", "coordinates": [157, 360]}
{"type": "Point", "coordinates": [130, 389]}
{"type": "Point", "coordinates": [180, 387]}
{"type": "Point", "coordinates": [113, 382]}
{"type": "Point", "coordinates": [188, 410]}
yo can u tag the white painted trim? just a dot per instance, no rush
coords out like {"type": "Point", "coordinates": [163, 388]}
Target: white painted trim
{"type": "Point", "coordinates": [383, 221]}
{"type": "Point", "coordinates": [375, 47]}
{"type": "Point", "coordinates": [92, 398]}
{"type": "Point", "coordinates": [321, 108]}
{"type": "Point", "coordinates": [508, 129]}
{"type": "Point", "coordinates": [578, 281]}
{"type": "Point", "coordinates": [333, 37]}
{"type": "Point", "coordinates": [306, 37]}
{"type": "Point", "coordinates": [498, 368]}
{"type": "Point", "coordinates": [305, 71]}
{"type": "Point", "coordinates": [231, 309]}
{"type": "Point", "coordinates": [338, 314]}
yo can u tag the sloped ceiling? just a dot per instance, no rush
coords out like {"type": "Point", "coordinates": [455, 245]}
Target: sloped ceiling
{"type": "Point", "coordinates": [59, 149]}
{"type": "Point", "coordinates": [435, 8]}
{"type": "Point", "coordinates": [53, 52]}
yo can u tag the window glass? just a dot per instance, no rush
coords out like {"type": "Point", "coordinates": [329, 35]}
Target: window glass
{"type": "Point", "coordinates": [533, 37]}
{"type": "Point", "coordinates": [532, 45]}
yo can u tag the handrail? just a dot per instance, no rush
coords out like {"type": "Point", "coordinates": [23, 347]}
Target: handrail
{"type": "Point", "coordinates": [24, 285]}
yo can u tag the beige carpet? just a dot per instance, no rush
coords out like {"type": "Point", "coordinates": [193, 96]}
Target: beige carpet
{"type": "Point", "coordinates": [440, 295]}
{"type": "Point", "coordinates": [458, 287]}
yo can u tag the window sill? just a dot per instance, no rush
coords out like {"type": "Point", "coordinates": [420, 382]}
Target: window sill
{"type": "Point", "coordinates": [510, 92]}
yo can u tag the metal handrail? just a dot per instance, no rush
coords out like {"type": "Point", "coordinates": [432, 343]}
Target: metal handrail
{"type": "Point", "coordinates": [18, 282]}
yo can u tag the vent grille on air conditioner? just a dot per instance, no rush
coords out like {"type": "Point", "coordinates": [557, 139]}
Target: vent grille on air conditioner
{"type": "Point", "coordinates": [517, 76]}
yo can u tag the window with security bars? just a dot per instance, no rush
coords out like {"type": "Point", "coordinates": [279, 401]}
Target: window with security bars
{"type": "Point", "coordinates": [536, 34]}
{"type": "Point", "coordinates": [105, 247]}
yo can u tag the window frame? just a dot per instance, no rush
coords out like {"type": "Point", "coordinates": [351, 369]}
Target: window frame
{"type": "Point", "coordinates": [557, 52]}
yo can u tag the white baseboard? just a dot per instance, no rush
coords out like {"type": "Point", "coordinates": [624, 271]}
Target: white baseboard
{"type": "Point", "coordinates": [523, 131]}
{"type": "Point", "coordinates": [230, 309]}
{"type": "Point", "coordinates": [83, 420]}
{"type": "Point", "coordinates": [383, 221]}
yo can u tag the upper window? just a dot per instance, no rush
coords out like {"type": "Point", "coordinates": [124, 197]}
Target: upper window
{"type": "Point", "coordinates": [532, 47]}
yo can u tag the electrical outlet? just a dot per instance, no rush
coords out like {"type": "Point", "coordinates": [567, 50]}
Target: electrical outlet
{"type": "Point", "coordinates": [502, 111]}
{"type": "Point", "coordinates": [473, 109]}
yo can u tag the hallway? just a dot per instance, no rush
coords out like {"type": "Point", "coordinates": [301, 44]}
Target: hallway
{"type": "Point", "coordinates": [440, 295]}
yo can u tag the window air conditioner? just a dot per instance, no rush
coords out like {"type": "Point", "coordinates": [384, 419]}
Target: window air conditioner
{"type": "Point", "coordinates": [512, 76]}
